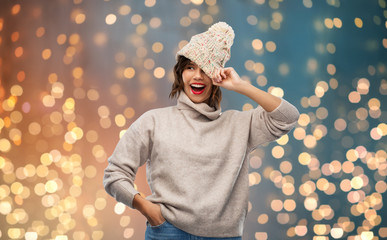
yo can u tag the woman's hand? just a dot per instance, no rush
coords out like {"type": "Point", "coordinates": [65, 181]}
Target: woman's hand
{"type": "Point", "coordinates": [153, 214]}
{"type": "Point", "coordinates": [150, 210]}
{"type": "Point", "coordinates": [228, 78]}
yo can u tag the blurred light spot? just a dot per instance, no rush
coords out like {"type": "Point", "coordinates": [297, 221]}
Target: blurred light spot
{"type": "Point", "coordinates": [261, 80]}
{"type": "Point", "coordinates": [185, 21]}
{"type": "Point", "coordinates": [5, 207]}
{"type": "Point", "coordinates": [259, 67]}
{"type": "Point", "coordinates": [155, 22]}
{"type": "Point", "coordinates": [283, 140]}
{"type": "Point", "coordinates": [194, 13]}
{"type": "Point", "coordinates": [254, 178]}
{"type": "Point", "coordinates": [141, 29]}
{"type": "Point", "coordinates": [276, 205]}
{"type": "Point", "coordinates": [80, 18]}
{"type": "Point", "coordinates": [307, 3]}
{"type": "Point", "coordinates": [255, 162]}
{"type": "Point", "coordinates": [197, 2]}
{"type": "Point", "coordinates": [119, 208]}
{"type": "Point", "coordinates": [157, 47]}
{"type": "Point", "coordinates": [299, 133]}
{"type": "Point", "coordinates": [304, 119]}
{"type": "Point", "coordinates": [376, 133]}
{"type": "Point", "coordinates": [354, 97]}
{"type": "Point", "coordinates": [150, 3]}
{"type": "Point", "coordinates": [88, 211]}
{"type": "Point", "coordinates": [19, 52]}
{"type": "Point", "coordinates": [374, 104]}
{"type": "Point", "coordinates": [15, 36]}
{"type": "Point", "coordinates": [124, 10]}
{"type": "Point", "coordinates": [129, 72]}
{"type": "Point", "coordinates": [100, 39]}
{"type": "Point", "coordinates": [263, 219]}
{"type": "Point", "coordinates": [31, 236]}
{"type": "Point", "coordinates": [159, 72]}
{"type": "Point", "coordinates": [247, 107]}
{"type": "Point", "coordinates": [252, 20]}
{"type": "Point", "coordinates": [270, 46]}
{"type": "Point", "coordinates": [51, 186]}
{"type": "Point", "coordinates": [289, 205]}
{"type": "Point", "coordinates": [301, 230]}
{"type": "Point", "coordinates": [367, 235]}
{"type": "Point", "coordinates": [40, 31]}
{"type": "Point", "coordinates": [257, 44]}
{"type": "Point", "coordinates": [328, 23]}
{"type": "Point", "coordinates": [136, 19]}
{"type": "Point", "coordinates": [383, 232]}
{"type": "Point", "coordinates": [34, 128]}
{"type": "Point", "coordinates": [61, 39]}
{"type": "Point", "coordinates": [284, 69]}
{"type": "Point", "coordinates": [15, 233]}
{"type": "Point", "coordinates": [358, 22]}
{"type": "Point", "coordinates": [207, 19]}
{"type": "Point", "coordinates": [74, 39]}
{"type": "Point", "coordinates": [78, 72]}
{"type": "Point", "coordinates": [337, 22]}
{"type": "Point", "coordinates": [120, 120]}
{"type": "Point", "coordinates": [128, 232]}
{"type": "Point", "coordinates": [384, 41]}
{"type": "Point", "coordinates": [276, 91]}
{"type": "Point", "coordinates": [110, 19]}
{"type": "Point", "coordinates": [15, 9]}
{"type": "Point", "coordinates": [278, 152]}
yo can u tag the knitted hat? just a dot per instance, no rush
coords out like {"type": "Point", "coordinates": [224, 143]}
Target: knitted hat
{"type": "Point", "coordinates": [210, 50]}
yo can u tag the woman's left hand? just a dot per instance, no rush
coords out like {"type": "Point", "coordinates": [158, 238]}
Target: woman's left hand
{"type": "Point", "coordinates": [227, 78]}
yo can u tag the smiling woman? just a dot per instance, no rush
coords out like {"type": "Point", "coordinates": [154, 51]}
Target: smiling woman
{"type": "Point", "coordinates": [186, 74]}
{"type": "Point", "coordinates": [197, 85]}
{"type": "Point", "coordinates": [197, 194]}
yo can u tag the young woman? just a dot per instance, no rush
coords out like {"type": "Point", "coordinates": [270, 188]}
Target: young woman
{"type": "Point", "coordinates": [197, 156]}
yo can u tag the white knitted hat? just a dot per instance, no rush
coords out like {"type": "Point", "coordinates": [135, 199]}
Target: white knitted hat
{"type": "Point", "coordinates": [210, 50]}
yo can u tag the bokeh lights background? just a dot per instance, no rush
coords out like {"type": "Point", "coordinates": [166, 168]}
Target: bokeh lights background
{"type": "Point", "coordinates": [74, 74]}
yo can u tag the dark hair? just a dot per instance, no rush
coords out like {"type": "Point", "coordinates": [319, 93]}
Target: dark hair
{"type": "Point", "coordinates": [178, 84]}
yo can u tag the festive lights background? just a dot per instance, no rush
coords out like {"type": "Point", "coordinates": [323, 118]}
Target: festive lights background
{"type": "Point", "coordinates": [75, 74]}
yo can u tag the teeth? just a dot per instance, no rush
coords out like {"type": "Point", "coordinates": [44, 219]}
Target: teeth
{"type": "Point", "coordinates": [197, 85]}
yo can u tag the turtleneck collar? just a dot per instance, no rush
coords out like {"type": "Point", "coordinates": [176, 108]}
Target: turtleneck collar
{"type": "Point", "coordinates": [183, 102]}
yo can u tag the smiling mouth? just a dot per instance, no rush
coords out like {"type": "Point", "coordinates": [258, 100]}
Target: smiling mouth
{"type": "Point", "coordinates": [197, 88]}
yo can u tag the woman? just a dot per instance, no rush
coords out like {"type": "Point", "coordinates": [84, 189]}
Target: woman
{"type": "Point", "coordinates": [197, 156]}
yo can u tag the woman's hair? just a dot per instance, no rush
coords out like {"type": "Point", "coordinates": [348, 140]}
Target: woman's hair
{"type": "Point", "coordinates": [178, 84]}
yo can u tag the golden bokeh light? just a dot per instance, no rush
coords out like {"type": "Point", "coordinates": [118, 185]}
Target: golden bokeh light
{"type": "Point", "coordinates": [110, 19]}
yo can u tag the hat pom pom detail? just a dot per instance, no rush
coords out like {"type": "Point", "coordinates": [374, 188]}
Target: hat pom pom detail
{"type": "Point", "coordinates": [223, 28]}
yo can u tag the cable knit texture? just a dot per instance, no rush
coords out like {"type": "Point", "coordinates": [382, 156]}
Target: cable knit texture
{"type": "Point", "coordinates": [210, 50]}
{"type": "Point", "coordinates": [197, 162]}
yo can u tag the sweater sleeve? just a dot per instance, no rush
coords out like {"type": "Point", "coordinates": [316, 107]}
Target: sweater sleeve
{"type": "Point", "coordinates": [268, 126]}
{"type": "Point", "coordinates": [131, 152]}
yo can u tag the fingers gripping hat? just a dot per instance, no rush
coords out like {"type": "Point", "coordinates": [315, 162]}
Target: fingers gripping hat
{"type": "Point", "coordinates": [210, 50]}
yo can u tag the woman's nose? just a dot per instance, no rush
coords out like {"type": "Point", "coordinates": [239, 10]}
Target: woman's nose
{"type": "Point", "coordinates": [198, 73]}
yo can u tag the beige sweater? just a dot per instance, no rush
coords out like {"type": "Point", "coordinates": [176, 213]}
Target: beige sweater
{"type": "Point", "coordinates": [197, 162]}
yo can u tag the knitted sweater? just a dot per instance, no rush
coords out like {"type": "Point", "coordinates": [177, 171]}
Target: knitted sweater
{"type": "Point", "coordinates": [197, 162]}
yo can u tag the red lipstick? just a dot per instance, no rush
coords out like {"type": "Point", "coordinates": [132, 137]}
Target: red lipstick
{"type": "Point", "coordinates": [197, 88]}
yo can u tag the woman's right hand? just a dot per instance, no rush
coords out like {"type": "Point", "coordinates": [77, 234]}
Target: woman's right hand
{"type": "Point", "coordinates": [150, 210]}
{"type": "Point", "coordinates": [153, 214]}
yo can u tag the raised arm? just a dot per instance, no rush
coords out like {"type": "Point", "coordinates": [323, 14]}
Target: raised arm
{"type": "Point", "coordinates": [229, 79]}
{"type": "Point", "coordinates": [273, 117]}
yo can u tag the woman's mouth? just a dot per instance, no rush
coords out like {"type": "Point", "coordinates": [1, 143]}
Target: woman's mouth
{"type": "Point", "coordinates": [197, 88]}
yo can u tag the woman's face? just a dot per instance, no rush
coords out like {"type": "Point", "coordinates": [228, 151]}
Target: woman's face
{"type": "Point", "coordinates": [197, 85]}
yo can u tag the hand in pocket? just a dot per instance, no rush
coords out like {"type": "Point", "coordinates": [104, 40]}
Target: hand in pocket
{"type": "Point", "coordinates": [153, 214]}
